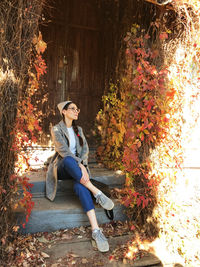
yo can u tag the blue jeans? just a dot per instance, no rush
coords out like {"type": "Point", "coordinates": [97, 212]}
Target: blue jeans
{"type": "Point", "coordinates": [69, 169]}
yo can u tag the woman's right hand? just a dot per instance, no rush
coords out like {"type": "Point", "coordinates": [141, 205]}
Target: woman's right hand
{"type": "Point", "coordinates": [85, 176]}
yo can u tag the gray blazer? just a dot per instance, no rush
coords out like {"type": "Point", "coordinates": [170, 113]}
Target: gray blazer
{"type": "Point", "coordinates": [60, 136]}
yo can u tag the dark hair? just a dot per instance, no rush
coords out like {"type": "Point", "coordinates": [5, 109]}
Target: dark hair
{"type": "Point", "coordinates": [76, 132]}
{"type": "Point", "coordinates": [75, 128]}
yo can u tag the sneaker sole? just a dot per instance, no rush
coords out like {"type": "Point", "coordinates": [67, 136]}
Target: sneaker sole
{"type": "Point", "coordinates": [94, 244]}
{"type": "Point", "coordinates": [109, 208]}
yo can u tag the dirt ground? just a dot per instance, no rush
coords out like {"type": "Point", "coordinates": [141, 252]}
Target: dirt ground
{"type": "Point", "coordinates": [74, 247]}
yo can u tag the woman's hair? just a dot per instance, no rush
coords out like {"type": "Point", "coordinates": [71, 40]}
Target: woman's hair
{"type": "Point", "coordinates": [75, 128]}
{"type": "Point", "coordinates": [76, 132]}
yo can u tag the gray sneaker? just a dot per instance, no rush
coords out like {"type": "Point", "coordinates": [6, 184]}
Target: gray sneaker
{"type": "Point", "coordinates": [101, 240]}
{"type": "Point", "coordinates": [104, 201]}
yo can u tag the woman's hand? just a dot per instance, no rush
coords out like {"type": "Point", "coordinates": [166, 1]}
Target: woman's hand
{"type": "Point", "coordinates": [85, 177]}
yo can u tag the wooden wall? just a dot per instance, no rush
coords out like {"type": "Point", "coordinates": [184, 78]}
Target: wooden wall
{"type": "Point", "coordinates": [75, 59]}
{"type": "Point", "coordinates": [85, 52]}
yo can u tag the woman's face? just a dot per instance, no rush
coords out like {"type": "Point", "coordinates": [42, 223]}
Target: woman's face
{"type": "Point", "coordinates": [72, 112]}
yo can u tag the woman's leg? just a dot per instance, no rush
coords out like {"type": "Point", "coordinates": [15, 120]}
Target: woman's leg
{"type": "Point", "coordinates": [87, 204]}
{"type": "Point", "coordinates": [97, 235]}
{"type": "Point", "coordinates": [92, 188]}
{"type": "Point", "coordinates": [93, 219]}
{"type": "Point", "coordinates": [84, 195]}
{"type": "Point", "coordinates": [70, 166]}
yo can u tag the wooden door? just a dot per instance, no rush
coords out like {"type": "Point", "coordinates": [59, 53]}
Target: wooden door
{"type": "Point", "coordinates": [75, 59]}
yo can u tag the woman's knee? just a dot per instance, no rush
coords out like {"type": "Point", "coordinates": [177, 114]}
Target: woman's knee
{"type": "Point", "coordinates": [71, 166]}
{"type": "Point", "coordinates": [68, 161]}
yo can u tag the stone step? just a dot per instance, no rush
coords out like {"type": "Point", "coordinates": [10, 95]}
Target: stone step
{"type": "Point", "coordinates": [108, 177]}
{"type": "Point", "coordinates": [64, 212]}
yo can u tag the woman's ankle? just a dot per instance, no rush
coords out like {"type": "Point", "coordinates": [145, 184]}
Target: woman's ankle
{"type": "Point", "coordinates": [98, 193]}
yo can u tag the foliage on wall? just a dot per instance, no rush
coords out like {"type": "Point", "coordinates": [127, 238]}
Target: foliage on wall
{"type": "Point", "coordinates": [21, 66]}
{"type": "Point", "coordinates": [111, 127]}
{"type": "Point", "coordinates": [161, 86]}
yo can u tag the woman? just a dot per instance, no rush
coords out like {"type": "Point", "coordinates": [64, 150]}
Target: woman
{"type": "Point", "coordinates": [71, 160]}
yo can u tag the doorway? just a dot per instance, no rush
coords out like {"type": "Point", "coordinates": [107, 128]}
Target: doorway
{"type": "Point", "coordinates": [75, 60]}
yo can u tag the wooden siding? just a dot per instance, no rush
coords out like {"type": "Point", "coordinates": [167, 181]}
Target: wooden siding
{"type": "Point", "coordinates": [86, 51]}
{"type": "Point", "coordinates": [75, 59]}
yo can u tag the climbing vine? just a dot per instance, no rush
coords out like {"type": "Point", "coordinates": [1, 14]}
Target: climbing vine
{"type": "Point", "coordinates": [144, 103]}
{"type": "Point", "coordinates": [161, 95]}
{"type": "Point", "coordinates": [147, 120]}
{"type": "Point", "coordinates": [21, 66]}
{"type": "Point", "coordinates": [111, 127]}
{"type": "Point", "coordinates": [27, 125]}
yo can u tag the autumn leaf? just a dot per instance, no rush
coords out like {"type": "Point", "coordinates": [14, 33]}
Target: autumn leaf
{"type": "Point", "coordinates": [147, 36]}
{"type": "Point", "coordinates": [40, 45]}
{"type": "Point", "coordinates": [45, 255]}
{"type": "Point", "coordinates": [171, 93]}
{"type": "Point", "coordinates": [163, 36]}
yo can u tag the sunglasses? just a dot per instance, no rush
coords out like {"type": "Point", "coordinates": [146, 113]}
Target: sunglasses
{"type": "Point", "coordinates": [75, 109]}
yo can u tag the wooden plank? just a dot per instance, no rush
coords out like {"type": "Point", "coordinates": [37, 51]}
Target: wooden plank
{"type": "Point", "coordinates": [83, 27]}
{"type": "Point", "coordinates": [64, 212]}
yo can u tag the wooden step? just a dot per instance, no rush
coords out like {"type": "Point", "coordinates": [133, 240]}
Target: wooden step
{"type": "Point", "coordinates": [109, 177]}
{"type": "Point", "coordinates": [64, 212]}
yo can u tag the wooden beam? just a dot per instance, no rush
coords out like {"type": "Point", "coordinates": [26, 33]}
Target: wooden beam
{"type": "Point", "coordinates": [159, 2]}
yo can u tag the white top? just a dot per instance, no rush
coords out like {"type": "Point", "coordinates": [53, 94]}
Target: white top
{"type": "Point", "coordinates": [72, 140]}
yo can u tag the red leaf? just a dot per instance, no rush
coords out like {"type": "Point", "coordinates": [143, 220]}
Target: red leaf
{"type": "Point", "coordinates": [132, 227]}
{"type": "Point", "coordinates": [146, 36]}
{"type": "Point", "coordinates": [163, 36]}
{"type": "Point", "coordinates": [138, 201]}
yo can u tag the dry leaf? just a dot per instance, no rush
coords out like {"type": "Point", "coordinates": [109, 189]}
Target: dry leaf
{"type": "Point", "coordinates": [84, 261]}
{"type": "Point", "coordinates": [82, 229]}
{"type": "Point", "coordinates": [42, 239]}
{"type": "Point", "coordinates": [66, 236]}
{"type": "Point", "coordinates": [15, 228]}
{"type": "Point", "coordinates": [74, 255]}
{"type": "Point", "coordinates": [45, 255]}
{"type": "Point", "coordinates": [25, 264]}
{"type": "Point", "coordinates": [94, 244]}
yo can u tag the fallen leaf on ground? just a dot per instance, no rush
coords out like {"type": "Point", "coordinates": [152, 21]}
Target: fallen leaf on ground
{"type": "Point", "coordinates": [42, 239]}
{"type": "Point", "coordinates": [82, 229]}
{"type": "Point", "coordinates": [84, 261]}
{"type": "Point", "coordinates": [74, 255]}
{"type": "Point", "coordinates": [25, 264]}
{"type": "Point", "coordinates": [66, 236]}
{"type": "Point", "coordinates": [45, 255]}
{"type": "Point", "coordinates": [94, 244]}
